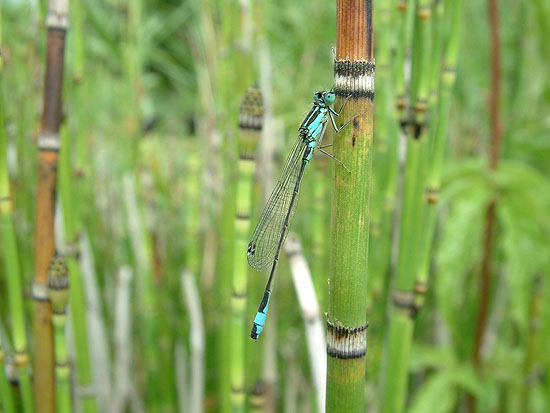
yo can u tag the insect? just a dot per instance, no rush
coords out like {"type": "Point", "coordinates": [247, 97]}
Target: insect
{"type": "Point", "coordinates": [270, 233]}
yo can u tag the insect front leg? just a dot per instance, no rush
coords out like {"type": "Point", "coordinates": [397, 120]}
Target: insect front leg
{"type": "Point", "coordinates": [335, 113]}
{"type": "Point", "coordinates": [336, 128]}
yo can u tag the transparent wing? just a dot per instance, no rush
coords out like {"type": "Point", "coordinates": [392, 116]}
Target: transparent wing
{"type": "Point", "coordinates": [263, 245]}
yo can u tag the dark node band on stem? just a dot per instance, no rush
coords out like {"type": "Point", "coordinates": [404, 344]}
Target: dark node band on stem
{"type": "Point", "coordinates": [247, 121]}
{"type": "Point", "coordinates": [402, 299]}
{"type": "Point", "coordinates": [420, 288]}
{"type": "Point", "coordinates": [354, 79]}
{"type": "Point", "coordinates": [238, 295]}
{"type": "Point", "coordinates": [346, 343]}
{"type": "Point", "coordinates": [237, 390]}
{"type": "Point", "coordinates": [432, 195]}
{"type": "Point", "coordinates": [242, 216]}
{"type": "Point", "coordinates": [246, 156]}
{"type": "Point", "coordinates": [21, 358]}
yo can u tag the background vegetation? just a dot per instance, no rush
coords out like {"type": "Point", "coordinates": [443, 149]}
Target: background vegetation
{"type": "Point", "coordinates": [147, 186]}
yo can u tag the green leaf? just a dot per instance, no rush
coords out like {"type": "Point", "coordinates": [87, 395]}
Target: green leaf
{"type": "Point", "coordinates": [437, 395]}
{"type": "Point", "coordinates": [458, 250]}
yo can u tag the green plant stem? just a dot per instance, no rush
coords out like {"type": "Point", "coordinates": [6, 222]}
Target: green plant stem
{"type": "Point", "coordinates": [69, 195]}
{"type": "Point", "coordinates": [239, 281]}
{"type": "Point", "coordinates": [405, 15]}
{"type": "Point", "coordinates": [346, 318]}
{"type": "Point", "coordinates": [250, 115]}
{"type": "Point", "coordinates": [453, 9]}
{"type": "Point", "coordinates": [385, 161]}
{"type": "Point", "coordinates": [401, 322]}
{"type": "Point", "coordinates": [11, 260]}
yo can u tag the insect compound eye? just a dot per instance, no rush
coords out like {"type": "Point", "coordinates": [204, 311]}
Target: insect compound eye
{"type": "Point", "coordinates": [329, 97]}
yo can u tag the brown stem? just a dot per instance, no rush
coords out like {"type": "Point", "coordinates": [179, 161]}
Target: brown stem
{"type": "Point", "coordinates": [494, 151]}
{"type": "Point", "coordinates": [485, 280]}
{"type": "Point", "coordinates": [44, 230]}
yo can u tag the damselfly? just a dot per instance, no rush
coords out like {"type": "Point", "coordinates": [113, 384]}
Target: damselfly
{"type": "Point", "coordinates": [271, 231]}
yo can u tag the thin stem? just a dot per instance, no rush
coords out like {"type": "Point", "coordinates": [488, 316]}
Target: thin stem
{"type": "Point", "coordinates": [401, 324]}
{"type": "Point", "coordinates": [48, 143]}
{"type": "Point", "coordinates": [494, 151]}
{"type": "Point", "coordinates": [11, 260]}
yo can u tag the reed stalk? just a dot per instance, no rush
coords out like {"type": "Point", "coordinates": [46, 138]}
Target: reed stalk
{"type": "Point", "coordinates": [401, 322]}
{"type": "Point", "coordinates": [48, 145]}
{"type": "Point", "coordinates": [494, 157]}
{"type": "Point", "coordinates": [58, 287]}
{"type": "Point", "coordinates": [385, 169]}
{"type": "Point", "coordinates": [453, 9]}
{"type": "Point", "coordinates": [11, 260]}
{"type": "Point", "coordinates": [71, 223]}
{"type": "Point", "coordinates": [70, 193]}
{"type": "Point", "coordinates": [385, 161]}
{"type": "Point", "coordinates": [346, 318]}
{"type": "Point", "coordinates": [250, 124]}
{"type": "Point", "coordinates": [404, 19]}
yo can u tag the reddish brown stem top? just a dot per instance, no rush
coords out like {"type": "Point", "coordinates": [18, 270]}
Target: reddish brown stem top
{"type": "Point", "coordinates": [354, 34]}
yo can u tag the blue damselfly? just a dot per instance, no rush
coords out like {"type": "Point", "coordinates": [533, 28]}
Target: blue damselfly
{"type": "Point", "coordinates": [272, 229]}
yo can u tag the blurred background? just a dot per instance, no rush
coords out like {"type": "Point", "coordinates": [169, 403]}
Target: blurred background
{"type": "Point", "coordinates": [149, 180]}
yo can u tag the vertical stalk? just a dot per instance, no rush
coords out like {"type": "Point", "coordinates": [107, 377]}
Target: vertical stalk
{"type": "Point", "coordinates": [453, 9]}
{"type": "Point", "coordinates": [404, 16]}
{"type": "Point", "coordinates": [385, 162]}
{"type": "Point", "coordinates": [48, 145]}
{"type": "Point", "coordinates": [58, 285]}
{"type": "Point", "coordinates": [11, 260]}
{"type": "Point", "coordinates": [69, 195]}
{"type": "Point", "coordinates": [401, 322]}
{"type": "Point", "coordinates": [71, 223]}
{"type": "Point", "coordinates": [346, 319]}
{"type": "Point", "coordinates": [494, 151]}
{"type": "Point", "coordinates": [485, 287]}
{"type": "Point", "coordinates": [250, 123]}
